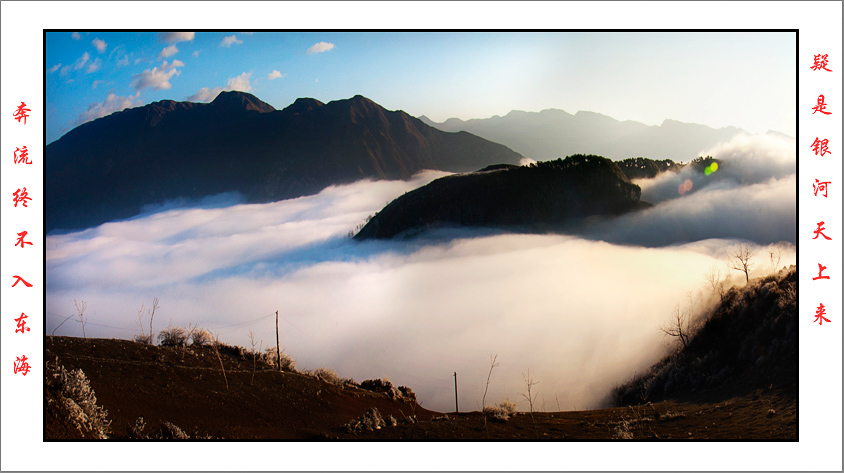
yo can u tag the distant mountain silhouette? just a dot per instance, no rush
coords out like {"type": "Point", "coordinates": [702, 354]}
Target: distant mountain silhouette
{"type": "Point", "coordinates": [109, 168]}
{"type": "Point", "coordinates": [553, 133]}
{"type": "Point", "coordinates": [545, 196]}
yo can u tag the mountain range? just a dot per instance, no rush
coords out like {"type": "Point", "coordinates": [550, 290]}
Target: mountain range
{"type": "Point", "coordinates": [111, 167]}
{"type": "Point", "coordinates": [553, 133]}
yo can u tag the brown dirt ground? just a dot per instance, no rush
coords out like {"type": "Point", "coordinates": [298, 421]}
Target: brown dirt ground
{"type": "Point", "coordinates": [185, 386]}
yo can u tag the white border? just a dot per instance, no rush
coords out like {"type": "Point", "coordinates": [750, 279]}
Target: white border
{"type": "Point", "coordinates": [820, 432]}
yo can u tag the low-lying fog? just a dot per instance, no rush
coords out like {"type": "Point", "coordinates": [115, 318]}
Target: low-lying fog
{"type": "Point", "coordinates": [579, 312]}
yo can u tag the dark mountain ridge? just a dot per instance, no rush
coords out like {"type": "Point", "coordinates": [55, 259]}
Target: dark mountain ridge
{"type": "Point", "coordinates": [540, 197]}
{"type": "Point", "coordinates": [109, 168]}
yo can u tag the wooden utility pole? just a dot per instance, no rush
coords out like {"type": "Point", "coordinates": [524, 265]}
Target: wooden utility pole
{"type": "Point", "coordinates": [456, 408]}
{"type": "Point", "coordinates": [277, 349]}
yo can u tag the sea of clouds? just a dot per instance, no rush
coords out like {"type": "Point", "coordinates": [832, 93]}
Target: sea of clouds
{"type": "Point", "coordinates": [582, 312]}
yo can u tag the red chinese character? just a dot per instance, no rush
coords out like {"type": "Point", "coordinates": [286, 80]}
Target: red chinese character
{"type": "Point", "coordinates": [820, 187]}
{"type": "Point", "coordinates": [20, 241]}
{"type": "Point", "coordinates": [21, 113]}
{"type": "Point", "coordinates": [819, 232]}
{"type": "Point", "coordinates": [21, 366]}
{"type": "Point", "coordinates": [820, 62]}
{"type": "Point", "coordinates": [23, 157]}
{"type": "Point", "coordinates": [20, 279]}
{"type": "Point", "coordinates": [819, 315]}
{"type": "Point", "coordinates": [21, 323]}
{"type": "Point", "coordinates": [820, 273]}
{"type": "Point", "coordinates": [821, 146]}
{"type": "Point", "coordinates": [820, 107]}
{"type": "Point", "coordinates": [21, 196]}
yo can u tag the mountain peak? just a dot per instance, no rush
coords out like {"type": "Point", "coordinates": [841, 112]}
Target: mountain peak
{"type": "Point", "coordinates": [303, 105]}
{"type": "Point", "coordinates": [360, 102]}
{"type": "Point", "coordinates": [241, 100]}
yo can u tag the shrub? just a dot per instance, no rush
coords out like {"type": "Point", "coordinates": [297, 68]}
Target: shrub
{"type": "Point", "coordinates": [623, 431]}
{"type": "Point", "coordinates": [172, 337]}
{"type": "Point", "coordinates": [407, 393]}
{"type": "Point", "coordinates": [144, 339]}
{"type": "Point", "coordinates": [386, 387]}
{"type": "Point", "coordinates": [502, 411]}
{"type": "Point", "coordinates": [371, 420]}
{"type": "Point", "coordinates": [136, 429]}
{"type": "Point", "coordinates": [171, 431]}
{"type": "Point", "coordinates": [377, 385]}
{"type": "Point", "coordinates": [201, 337]}
{"type": "Point", "coordinates": [80, 400]}
{"type": "Point", "coordinates": [327, 375]}
{"type": "Point", "coordinates": [269, 358]}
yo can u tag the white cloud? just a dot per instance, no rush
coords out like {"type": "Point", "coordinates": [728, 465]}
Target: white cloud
{"type": "Point", "coordinates": [80, 63]}
{"type": "Point", "coordinates": [196, 53]}
{"type": "Point", "coordinates": [112, 103]}
{"type": "Point", "coordinates": [97, 83]}
{"type": "Point", "coordinates": [229, 40]}
{"type": "Point", "coordinates": [94, 66]}
{"type": "Point", "coordinates": [55, 68]}
{"type": "Point", "coordinates": [155, 78]}
{"type": "Point", "coordinates": [99, 44]}
{"type": "Point", "coordinates": [205, 94]}
{"type": "Point", "coordinates": [275, 75]}
{"type": "Point", "coordinates": [320, 47]}
{"type": "Point", "coordinates": [403, 309]}
{"type": "Point", "coordinates": [123, 62]}
{"type": "Point", "coordinates": [175, 63]}
{"type": "Point", "coordinates": [65, 70]}
{"type": "Point", "coordinates": [175, 37]}
{"type": "Point", "coordinates": [240, 83]}
{"type": "Point", "coordinates": [168, 51]}
{"type": "Point", "coordinates": [75, 35]}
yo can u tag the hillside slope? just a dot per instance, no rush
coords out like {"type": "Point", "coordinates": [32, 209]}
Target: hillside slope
{"type": "Point", "coordinates": [118, 389]}
{"type": "Point", "coordinates": [748, 341]}
{"type": "Point", "coordinates": [542, 196]}
{"type": "Point", "coordinates": [161, 387]}
{"type": "Point", "coordinates": [109, 168]}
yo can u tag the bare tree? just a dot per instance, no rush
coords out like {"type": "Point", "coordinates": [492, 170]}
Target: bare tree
{"type": "Point", "coordinates": [679, 326]}
{"type": "Point", "coordinates": [80, 312]}
{"type": "Point", "coordinates": [492, 364]}
{"type": "Point", "coordinates": [217, 351]}
{"type": "Point", "coordinates": [141, 320]}
{"type": "Point", "coordinates": [714, 280]}
{"type": "Point", "coordinates": [775, 252]}
{"type": "Point", "coordinates": [143, 337]}
{"type": "Point", "coordinates": [152, 314]}
{"type": "Point", "coordinates": [254, 355]}
{"type": "Point", "coordinates": [531, 398]}
{"type": "Point", "coordinates": [740, 260]}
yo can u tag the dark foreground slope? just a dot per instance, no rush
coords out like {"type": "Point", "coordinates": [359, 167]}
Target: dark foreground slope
{"type": "Point", "coordinates": [747, 342]}
{"type": "Point", "coordinates": [118, 389]}
{"type": "Point", "coordinates": [109, 168]}
{"type": "Point", "coordinates": [129, 390]}
{"type": "Point", "coordinates": [541, 196]}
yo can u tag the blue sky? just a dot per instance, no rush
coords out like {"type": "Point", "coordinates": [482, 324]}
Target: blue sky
{"type": "Point", "coordinates": [716, 79]}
